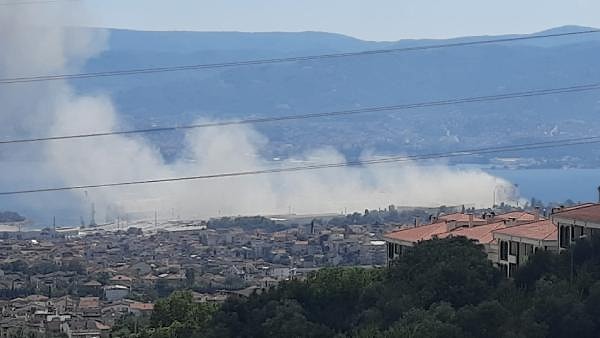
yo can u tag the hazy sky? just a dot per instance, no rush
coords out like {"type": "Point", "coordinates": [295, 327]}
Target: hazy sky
{"type": "Point", "coordinates": [366, 19]}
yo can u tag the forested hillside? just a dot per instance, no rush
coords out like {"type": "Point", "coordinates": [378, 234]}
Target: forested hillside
{"type": "Point", "coordinates": [9, 216]}
{"type": "Point", "coordinates": [357, 82]}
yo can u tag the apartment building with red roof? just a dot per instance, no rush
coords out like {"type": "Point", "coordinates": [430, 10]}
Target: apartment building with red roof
{"type": "Point", "coordinates": [517, 243]}
{"type": "Point", "coordinates": [473, 227]}
{"type": "Point", "coordinates": [575, 223]}
{"type": "Point", "coordinates": [509, 239]}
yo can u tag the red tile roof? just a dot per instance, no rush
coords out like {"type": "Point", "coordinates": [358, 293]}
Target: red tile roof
{"type": "Point", "coordinates": [89, 302]}
{"type": "Point", "coordinates": [482, 233]}
{"type": "Point", "coordinates": [421, 233]}
{"type": "Point", "coordinates": [142, 306]}
{"type": "Point", "coordinates": [459, 217]}
{"type": "Point", "coordinates": [541, 231]}
{"type": "Point", "coordinates": [585, 213]}
{"type": "Point", "coordinates": [517, 215]}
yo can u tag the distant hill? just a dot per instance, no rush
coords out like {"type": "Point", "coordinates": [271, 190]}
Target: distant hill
{"type": "Point", "coordinates": [326, 85]}
{"type": "Point", "coordinates": [9, 217]}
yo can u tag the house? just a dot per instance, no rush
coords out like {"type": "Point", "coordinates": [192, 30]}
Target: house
{"type": "Point", "coordinates": [89, 306]}
{"type": "Point", "coordinates": [460, 219]}
{"type": "Point", "coordinates": [139, 309]}
{"type": "Point", "coordinates": [266, 282]}
{"type": "Point", "coordinates": [398, 242]}
{"type": "Point", "coordinates": [481, 234]}
{"type": "Point", "coordinates": [122, 280]}
{"type": "Point", "coordinates": [115, 292]}
{"type": "Point", "coordinates": [517, 243]}
{"type": "Point", "coordinates": [86, 329]}
{"type": "Point", "coordinates": [476, 228]}
{"type": "Point", "coordinates": [55, 323]}
{"type": "Point", "coordinates": [115, 309]}
{"type": "Point", "coordinates": [92, 287]}
{"type": "Point", "coordinates": [576, 223]}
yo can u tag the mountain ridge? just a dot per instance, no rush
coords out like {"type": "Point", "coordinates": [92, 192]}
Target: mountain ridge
{"type": "Point", "coordinates": [346, 83]}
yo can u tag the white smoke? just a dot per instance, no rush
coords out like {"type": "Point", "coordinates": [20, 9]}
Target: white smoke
{"type": "Point", "coordinates": [35, 41]}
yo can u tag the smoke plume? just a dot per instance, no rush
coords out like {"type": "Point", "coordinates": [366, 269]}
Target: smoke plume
{"type": "Point", "coordinates": [35, 41]}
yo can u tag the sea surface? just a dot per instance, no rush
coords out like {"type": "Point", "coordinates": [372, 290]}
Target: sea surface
{"type": "Point", "coordinates": [553, 185]}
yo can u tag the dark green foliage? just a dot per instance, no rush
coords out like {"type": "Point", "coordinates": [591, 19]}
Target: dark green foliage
{"type": "Point", "coordinates": [177, 316]}
{"type": "Point", "coordinates": [180, 307]}
{"type": "Point", "coordinates": [452, 270]}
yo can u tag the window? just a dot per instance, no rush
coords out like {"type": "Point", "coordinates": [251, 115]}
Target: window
{"type": "Point", "coordinates": [563, 237]}
{"type": "Point", "coordinates": [582, 233]}
{"type": "Point", "coordinates": [514, 248]}
{"type": "Point", "coordinates": [503, 251]}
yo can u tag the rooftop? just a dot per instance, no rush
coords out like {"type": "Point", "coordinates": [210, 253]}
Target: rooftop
{"type": "Point", "coordinates": [517, 215]}
{"type": "Point", "coordinates": [142, 306]}
{"type": "Point", "coordinates": [585, 213]}
{"type": "Point", "coordinates": [482, 233]}
{"type": "Point", "coordinates": [460, 217]}
{"type": "Point", "coordinates": [89, 302]}
{"type": "Point", "coordinates": [421, 233]}
{"type": "Point", "coordinates": [541, 231]}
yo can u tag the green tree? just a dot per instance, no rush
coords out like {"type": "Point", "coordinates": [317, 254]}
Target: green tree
{"type": "Point", "coordinates": [180, 307]}
{"type": "Point", "coordinates": [453, 270]}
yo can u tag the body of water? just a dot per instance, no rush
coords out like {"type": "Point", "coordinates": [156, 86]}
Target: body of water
{"type": "Point", "coordinates": [554, 185]}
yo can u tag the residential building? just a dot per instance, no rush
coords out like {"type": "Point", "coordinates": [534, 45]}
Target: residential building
{"type": "Point", "coordinates": [478, 229]}
{"type": "Point", "coordinates": [517, 243]}
{"type": "Point", "coordinates": [576, 223]}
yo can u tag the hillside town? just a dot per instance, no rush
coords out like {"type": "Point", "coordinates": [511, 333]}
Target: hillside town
{"type": "Point", "coordinates": [79, 282]}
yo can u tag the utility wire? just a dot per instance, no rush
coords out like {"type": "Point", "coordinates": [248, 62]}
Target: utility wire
{"type": "Point", "coordinates": [382, 160]}
{"type": "Point", "coordinates": [33, 2]}
{"type": "Point", "coordinates": [425, 104]}
{"type": "Point", "coordinates": [152, 70]}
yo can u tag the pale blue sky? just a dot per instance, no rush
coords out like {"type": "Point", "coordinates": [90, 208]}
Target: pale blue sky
{"type": "Point", "coordinates": [366, 19]}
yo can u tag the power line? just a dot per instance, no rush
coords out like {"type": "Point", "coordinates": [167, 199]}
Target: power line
{"type": "Point", "coordinates": [34, 2]}
{"type": "Point", "coordinates": [395, 159]}
{"type": "Point", "coordinates": [153, 70]}
{"type": "Point", "coordinates": [438, 103]}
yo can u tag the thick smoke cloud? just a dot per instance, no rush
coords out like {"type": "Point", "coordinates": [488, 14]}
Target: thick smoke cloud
{"type": "Point", "coordinates": [34, 41]}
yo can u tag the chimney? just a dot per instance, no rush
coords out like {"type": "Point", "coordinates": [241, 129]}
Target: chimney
{"type": "Point", "coordinates": [416, 222]}
{"type": "Point", "coordinates": [470, 220]}
{"type": "Point", "coordinates": [536, 216]}
{"type": "Point", "coordinates": [598, 194]}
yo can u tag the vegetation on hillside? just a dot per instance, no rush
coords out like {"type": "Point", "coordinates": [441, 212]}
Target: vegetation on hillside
{"type": "Point", "coordinates": [9, 217]}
